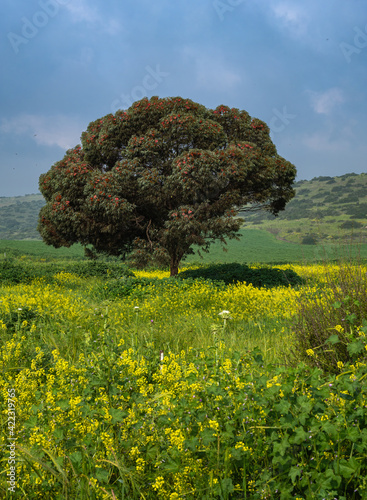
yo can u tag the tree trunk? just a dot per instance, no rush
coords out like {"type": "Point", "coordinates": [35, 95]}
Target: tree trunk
{"type": "Point", "coordinates": [175, 260]}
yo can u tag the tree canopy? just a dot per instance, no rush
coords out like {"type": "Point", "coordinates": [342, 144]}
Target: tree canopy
{"type": "Point", "coordinates": [160, 177]}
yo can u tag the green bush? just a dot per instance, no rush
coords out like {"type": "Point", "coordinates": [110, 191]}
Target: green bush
{"type": "Point", "coordinates": [309, 240]}
{"type": "Point", "coordinates": [237, 273]}
{"type": "Point", "coordinates": [99, 268]}
{"type": "Point", "coordinates": [350, 224]}
{"type": "Point", "coordinates": [126, 286]}
{"type": "Point", "coordinates": [141, 287]}
{"type": "Point", "coordinates": [331, 328]}
{"type": "Point", "coordinates": [13, 273]}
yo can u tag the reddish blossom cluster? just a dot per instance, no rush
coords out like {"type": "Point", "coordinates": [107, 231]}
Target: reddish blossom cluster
{"type": "Point", "coordinates": [59, 206]}
{"type": "Point", "coordinates": [163, 105]}
{"type": "Point", "coordinates": [184, 212]}
{"type": "Point", "coordinates": [257, 125]}
{"type": "Point", "coordinates": [221, 110]}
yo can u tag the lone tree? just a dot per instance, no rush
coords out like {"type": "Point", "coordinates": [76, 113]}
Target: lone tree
{"type": "Point", "coordinates": [160, 177]}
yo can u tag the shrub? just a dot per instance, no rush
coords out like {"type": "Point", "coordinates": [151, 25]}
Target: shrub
{"type": "Point", "coordinates": [357, 211]}
{"type": "Point", "coordinates": [126, 286]}
{"type": "Point", "coordinates": [12, 272]}
{"type": "Point", "coordinates": [350, 224]}
{"type": "Point", "coordinates": [100, 268]}
{"type": "Point", "coordinates": [330, 326]}
{"type": "Point", "coordinates": [142, 287]}
{"type": "Point", "coordinates": [236, 273]}
{"type": "Point", "coordinates": [322, 178]}
{"type": "Point", "coordinates": [309, 240]}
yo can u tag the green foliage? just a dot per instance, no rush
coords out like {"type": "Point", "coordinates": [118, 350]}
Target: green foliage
{"type": "Point", "coordinates": [125, 287]}
{"type": "Point", "coordinates": [39, 250]}
{"type": "Point", "coordinates": [99, 268]}
{"type": "Point", "coordinates": [14, 318]}
{"type": "Point", "coordinates": [13, 272]}
{"type": "Point", "coordinates": [331, 327]}
{"type": "Point", "coordinates": [160, 177]}
{"type": "Point", "coordinates": [142, 287]}
{"type": "Point", "coordinates": [322, 210]}
{"type": "Point", "coordinates": [357, 211]}
{"type": "Point", "coordinates": [93, 395]}
{"type": "Point", "coordinates": [18, 216]}
{"type": "Point", "coordinates": [239, 428]}
{"type": "Point", "coordinates": [309, 239]}
{"type": "Point", "coordinates": [351, 224]}
{"type": "Point", "coordinates": [236, 273]}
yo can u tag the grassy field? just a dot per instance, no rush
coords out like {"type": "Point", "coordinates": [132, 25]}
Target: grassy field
{"type": "Point", "coordinates": [254, 245]}
{"type": "Point", "coordinates": [132, 385]}
{"type": "Point", "coordinates": [38, 249]}
{"type": "Point", "coordinates": [257, 245]}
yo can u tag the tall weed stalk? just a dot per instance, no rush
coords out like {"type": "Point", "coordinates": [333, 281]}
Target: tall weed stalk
{"type": "Point", "coordinates": [330, 325]}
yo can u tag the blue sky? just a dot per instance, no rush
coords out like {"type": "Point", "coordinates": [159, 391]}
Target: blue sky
{"type": "Point", "coordinates": [299, 65]}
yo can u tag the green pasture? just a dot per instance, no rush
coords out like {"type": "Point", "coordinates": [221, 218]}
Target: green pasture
{"type": "Point", "coordinates": [253, 246]}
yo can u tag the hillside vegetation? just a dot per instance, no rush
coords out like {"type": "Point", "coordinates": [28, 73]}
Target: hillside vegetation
{"type": "Point", "coordinates": [19, 217]}
{"type": "Point", "coordinates": [325, 209]}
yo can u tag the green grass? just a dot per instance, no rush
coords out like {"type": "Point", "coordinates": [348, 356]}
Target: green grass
{"type": "Point", "coordinates": [254, 246]}
{"type": "Point", "coordinates": [38, 249]}
{"type": "Point", "coordinates": [257, 245]}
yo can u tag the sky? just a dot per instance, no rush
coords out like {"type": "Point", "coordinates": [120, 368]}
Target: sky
{"type": "Point", "coordinates": [299, 65]}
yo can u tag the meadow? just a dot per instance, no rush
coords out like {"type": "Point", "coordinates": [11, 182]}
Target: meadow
{"type": "Point", "coordinates": [253, 246]}
{"type": "Point", "coordinates": [228, 382]}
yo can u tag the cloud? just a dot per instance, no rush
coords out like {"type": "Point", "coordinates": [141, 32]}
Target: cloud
{"type": "Point", "coordinates": [295, 18]}
{"type": "Point", "coordinates": [306, 23]}
{"type": "Point", "coordinates": [59, 130]}
{"type": "Point", "coordinates": [332, 137]}
{"type": "Point", "coordinates": [320, 141]}
{"type": "Point", "coordinates": [212, 72]}
{"type": "Point", "coordinates": [325, 102]}
{"type": "Point", "coordinates": [80, 11]}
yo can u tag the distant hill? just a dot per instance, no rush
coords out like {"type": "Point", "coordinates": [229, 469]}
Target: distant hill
{"type": "Point", "coordinates": [325, 209]}
{"type": "Point", "coordinates": [19, 217]}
